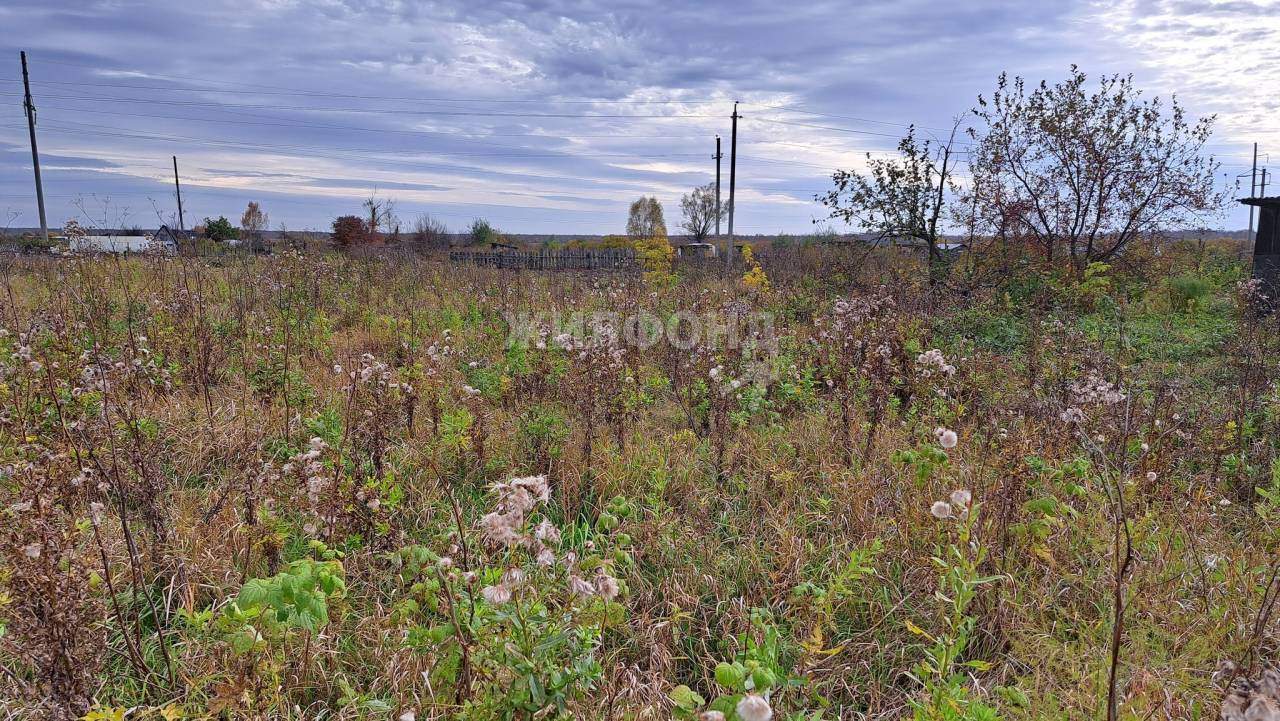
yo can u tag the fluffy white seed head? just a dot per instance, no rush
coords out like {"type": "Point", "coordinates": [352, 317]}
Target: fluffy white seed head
{"type": "Point", "coordinates": [946, 437]}
{"type": "Point", "coordinates": [754, 708]}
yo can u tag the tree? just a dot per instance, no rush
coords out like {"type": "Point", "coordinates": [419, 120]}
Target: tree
{"type": "Point", "coordinates": [700, 212]}
{"type": "Point", "coordinates": [899, 198]}
{"type": "Point", "coordinates": [381, 213]}
{"type": "Point", "coordinates": [645, 220]}
{"type": "Point", "coordinates": [350, 231]}
{"type": "Point", "coordinates": [220, 230]}
{"type": "Point", "coordinates": [252, 222]}
{"type": "Point", "coordinates": [481, 232]}
{"type": "Point", "coordinates": [647, 233]}
{"type": "Point", "coordinates": [429, 233]}
{"type": "Point", "coordinates": [1086, 173]}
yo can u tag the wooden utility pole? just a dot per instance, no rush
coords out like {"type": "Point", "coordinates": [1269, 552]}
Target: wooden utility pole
{"type": "Point", "coordinates": [1253, 189]}
{"type": "Point", "coordinates": [1262, 191]}
{"type": "Point", "coordinates": [719, 155]}
{"type": "Point", "coordinates": [733, 178]}
{"type": "Point", "coordinates": [178, 189]}
{"type": "Point", "coordinates": [35, 154]}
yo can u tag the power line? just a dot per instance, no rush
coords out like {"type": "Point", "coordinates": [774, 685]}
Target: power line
{"type": "Point", "coordinates": [123, 133]}
{"type": "Point", "coordinates": [796, 109]}
{"type": "Point", "coordinates": [226, 121]}
{"type": "Point", "coordinates": [397, 98]}
{"type": "Point", "coordinates": [239, 86]}
{"type": "Point", "coordinates": [419, 165]}
{"type": "Point", "coordinates": [376, 111]}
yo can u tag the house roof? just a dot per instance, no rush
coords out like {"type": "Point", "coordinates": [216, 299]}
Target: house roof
{"type": "Point", "coordinates": [167, 233]}
{"type": "Point", "coordinates": [1271, 202]}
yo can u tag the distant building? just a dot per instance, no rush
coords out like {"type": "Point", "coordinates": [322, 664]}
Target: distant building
{"type": "Point", "coordinates": [1266, 244]}
{"type": "Point", "coordinates": [696, 250]}
{"type": "Point", "coordinates": [163, 242]}
{"type": "Point", "coordinates": [170, 238]}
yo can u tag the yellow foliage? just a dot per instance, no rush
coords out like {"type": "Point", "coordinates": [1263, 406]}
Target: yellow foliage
{"type": "Point", "coordinates": [615, 241]}
{"type": "Point", "coordinates": [656, 255]}
{"type": "Point", "coordinates": [755, 277]}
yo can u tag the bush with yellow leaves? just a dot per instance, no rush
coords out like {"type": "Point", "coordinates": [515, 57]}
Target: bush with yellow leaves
{"type": "Point", "coordinates": [755, 277]}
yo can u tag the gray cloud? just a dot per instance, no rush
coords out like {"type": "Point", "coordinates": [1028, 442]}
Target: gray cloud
{"type": "Point", "coordinates": [309, 106]}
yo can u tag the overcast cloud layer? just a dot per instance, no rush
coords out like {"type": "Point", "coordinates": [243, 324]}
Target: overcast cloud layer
{"type": "Point", "coordinates": [538, 115]}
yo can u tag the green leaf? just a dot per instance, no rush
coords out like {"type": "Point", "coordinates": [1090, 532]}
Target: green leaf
{"type": "Point", "coordinates": [686, 698]}
{"type": "Point", "coordinates": [729, 676]}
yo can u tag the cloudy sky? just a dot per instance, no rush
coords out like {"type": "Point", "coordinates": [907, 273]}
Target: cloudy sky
{"type": "Point", "coordinates": [550, 117]}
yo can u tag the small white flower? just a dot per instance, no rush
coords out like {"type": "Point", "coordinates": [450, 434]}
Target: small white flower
{"type": "Point", "coordinates": [754, 708]}
{"type": "Point", "coordinates": [409, 715]}
{"type": "Point", "coordinates": [32, 550]}
{"type": "Point", "coordinates": [1145, 447]}
{"type": "Point", "coordinates": [941, 510]}
{"type": "Point", "coordinates": [1224, 502]}
{"type": "Point", "coordinates": [1151, 476]}
{"type": "Point", "coordinates": [961, 498]}
{"type": "Point", "coordinates": [444, 562]}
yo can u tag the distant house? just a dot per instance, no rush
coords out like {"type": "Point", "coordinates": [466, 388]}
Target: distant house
{"type": "Point", "coordinates": [170, 238]}
{"type": "Point", "coordinates": [164, 242]}
{"type": "Point", "coordinates": [696, 250]}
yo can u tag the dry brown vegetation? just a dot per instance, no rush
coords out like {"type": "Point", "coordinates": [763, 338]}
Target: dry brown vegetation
{"type": "Point", "coordinates": [282, 488]}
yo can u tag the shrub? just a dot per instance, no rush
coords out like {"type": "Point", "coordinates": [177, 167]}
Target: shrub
{"type": "Point", "coordinates": [350, 231]}
{"type": "Point", "coordinates": [220, 230]}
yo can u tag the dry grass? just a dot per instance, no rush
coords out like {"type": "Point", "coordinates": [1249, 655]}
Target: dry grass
{"type": "Point", "coordinates": [190, 513]}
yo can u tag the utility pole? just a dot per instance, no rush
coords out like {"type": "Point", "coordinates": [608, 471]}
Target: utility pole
{"type": "Point", "coordinates": [719, 155]}
{"type": "Point", "coordinates": [35, 154]}
{"type": "Point", "coordinates": [733, 178]}
{"type": "Point", "coordinates": [1253, 189]}
{"type": "Point", "coordinates": [1262, 191]}
{"type": "Point", "coordinates": [178, 189]}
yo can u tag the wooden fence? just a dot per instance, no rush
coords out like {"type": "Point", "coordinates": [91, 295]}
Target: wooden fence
{"type": "Point", "coordinates": [565, 259]}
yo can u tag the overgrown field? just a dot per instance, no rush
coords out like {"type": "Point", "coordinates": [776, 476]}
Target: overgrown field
{"type": "Point", "coordinates": [317, 487]}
